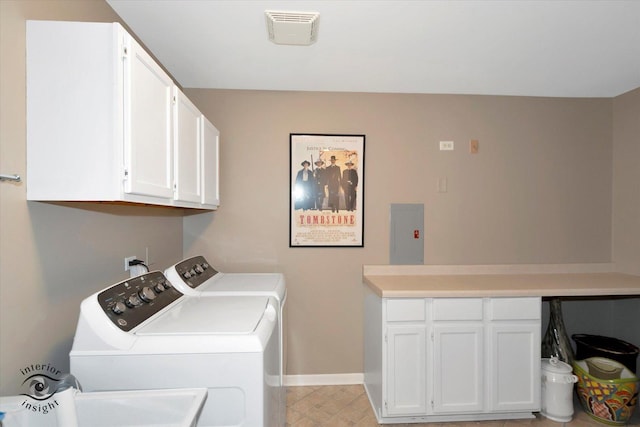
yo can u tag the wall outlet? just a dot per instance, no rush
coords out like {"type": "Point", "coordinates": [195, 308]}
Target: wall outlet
{"type": "Point", "coordinates": [446, 145]}
{"type": "Point", "coordinates": [127, 267]}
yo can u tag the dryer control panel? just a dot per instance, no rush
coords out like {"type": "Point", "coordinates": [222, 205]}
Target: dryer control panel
{"type": "Point", "coordinates": [195, 271]}
{"type": "Point", "coordinates": [129, 303]}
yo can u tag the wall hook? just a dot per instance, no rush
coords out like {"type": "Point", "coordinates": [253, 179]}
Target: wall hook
{"type": "Point", "coordinates": [14, 177]}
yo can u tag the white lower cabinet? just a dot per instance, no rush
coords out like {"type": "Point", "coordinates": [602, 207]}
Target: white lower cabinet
{"type": "Point", "coordinates": [514, 366]}
{"type": "Point", "coordinates": [513, 353]}
{"type": "Point", "coordinates": [458, 353]}
{"type": "Point", "coordinates": [452, 359]}
{"type": "Point", "coordinates": [457, 368]}
{"type": "Point", "coordinates": [406, 363]}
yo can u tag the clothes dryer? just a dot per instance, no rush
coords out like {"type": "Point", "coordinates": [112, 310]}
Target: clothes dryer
{"type": "Point", "coordinates": [195, 276]}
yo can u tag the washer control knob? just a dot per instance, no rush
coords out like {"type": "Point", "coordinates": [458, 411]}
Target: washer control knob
{"type": "Point", "coordinates": [167, 284]}
{"type": "Point", "coordinates": [199, 269]}
{"type": "Point", "coordinates": [119, 307]}
{"type": "Point", "coordinates": [133, 301]}
{"type": "Point", "coordinates": [159, 288]}
{"type": "Point", "coordinates": [147, 294]}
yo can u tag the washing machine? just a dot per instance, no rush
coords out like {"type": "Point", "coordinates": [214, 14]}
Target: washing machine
{"type": "Point", "coordinates": [196, 277]}
{"type": "Point", "coordinates": [143, 333]}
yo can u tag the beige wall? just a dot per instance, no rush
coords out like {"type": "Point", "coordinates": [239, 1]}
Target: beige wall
{"type": "Point", "coordinates": [626, 182]}
{"type": "Point", "coordinates": [52, 256]}
{"type": "Point", "coordinates": [539, 191]}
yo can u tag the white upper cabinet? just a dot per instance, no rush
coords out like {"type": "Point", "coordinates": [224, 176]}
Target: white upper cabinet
{"type": "Point", "coordinates": [187, 154]}
{"type": "Point", "coordinates": [148, 138]}
{"type": "Point", "coordinates": [105, 122]}
{"type": "Point", "coordinates": [210, 165]}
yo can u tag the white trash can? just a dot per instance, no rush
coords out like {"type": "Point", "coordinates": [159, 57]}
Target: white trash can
{"type": "Point", "coordinates": [557, 390]}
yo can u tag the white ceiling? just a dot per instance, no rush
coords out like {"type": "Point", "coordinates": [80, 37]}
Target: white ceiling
{"type": "Point", "coordinates": [536, 48]}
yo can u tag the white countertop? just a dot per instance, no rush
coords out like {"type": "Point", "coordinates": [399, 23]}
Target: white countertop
{"type": "Point", "coordinates": [499, 281]}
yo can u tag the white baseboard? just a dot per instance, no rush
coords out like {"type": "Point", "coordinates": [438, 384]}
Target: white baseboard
{"type": "Point", "coordinates": [323, 379]}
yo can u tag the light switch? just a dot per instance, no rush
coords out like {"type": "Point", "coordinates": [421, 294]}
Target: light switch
{"type": "Point", "coordinates": [442, 185]}
{"type": "Point", "coordinates": [474, 146]}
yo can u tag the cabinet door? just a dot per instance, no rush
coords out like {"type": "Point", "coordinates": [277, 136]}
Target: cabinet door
{"type": "Point", "coordinates": [514, 366]}
{"type": "Point", "coordinates": [210, 164]}
{"type": "Point", "coordinates": [457, 367]}
{"type": "Point", "coordinates": [74, 111]}
{"type": "Point", "coordinates": [148, 142]}
{"type": "Point", "coordinates": [405, 373]}
{"type": "Point", "coordinates": [187, 149]}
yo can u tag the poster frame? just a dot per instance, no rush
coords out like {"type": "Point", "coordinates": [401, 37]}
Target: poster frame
{"type": "Point", "coordinates": [314, 218]}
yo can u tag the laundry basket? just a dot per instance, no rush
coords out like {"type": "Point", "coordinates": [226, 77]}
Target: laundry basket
{"type": "Point", "coordinates": [611, 348]}
{"type": "Point", "coordinates": [612, 401]}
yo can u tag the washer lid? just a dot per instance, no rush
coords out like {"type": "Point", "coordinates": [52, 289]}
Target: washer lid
{"type": "Point", "coordinates": [228, 315]}
{"type": "Point", "coordinates": [269, 283]}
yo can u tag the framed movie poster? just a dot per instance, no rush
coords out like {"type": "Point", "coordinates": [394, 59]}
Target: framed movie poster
{"type": "Point", "coordinates": [326, 205]}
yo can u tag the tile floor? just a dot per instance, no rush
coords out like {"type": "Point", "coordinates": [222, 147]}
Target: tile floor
{"type": "Point", "coordinates": [348, 405]}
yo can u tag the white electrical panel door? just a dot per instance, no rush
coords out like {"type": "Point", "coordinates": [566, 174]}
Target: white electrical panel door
{"type": "Point", "coordinates": [187, 149]}
{"type": "Point", "coordinates": [406, 229]}
{"type": "Point", "coordinates": [210, 164]}
{"type": "Point", "coordinates": [148, 125]}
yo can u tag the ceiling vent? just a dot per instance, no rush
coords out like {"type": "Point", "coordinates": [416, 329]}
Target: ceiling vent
{"type": "Point", "coordinates": [296, 28]}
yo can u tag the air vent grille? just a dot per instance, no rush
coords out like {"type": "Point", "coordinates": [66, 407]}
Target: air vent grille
{"type": "Point", "coordinates": [293, 16]}
{"type": "Point", "coordinates": [294, 28]}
